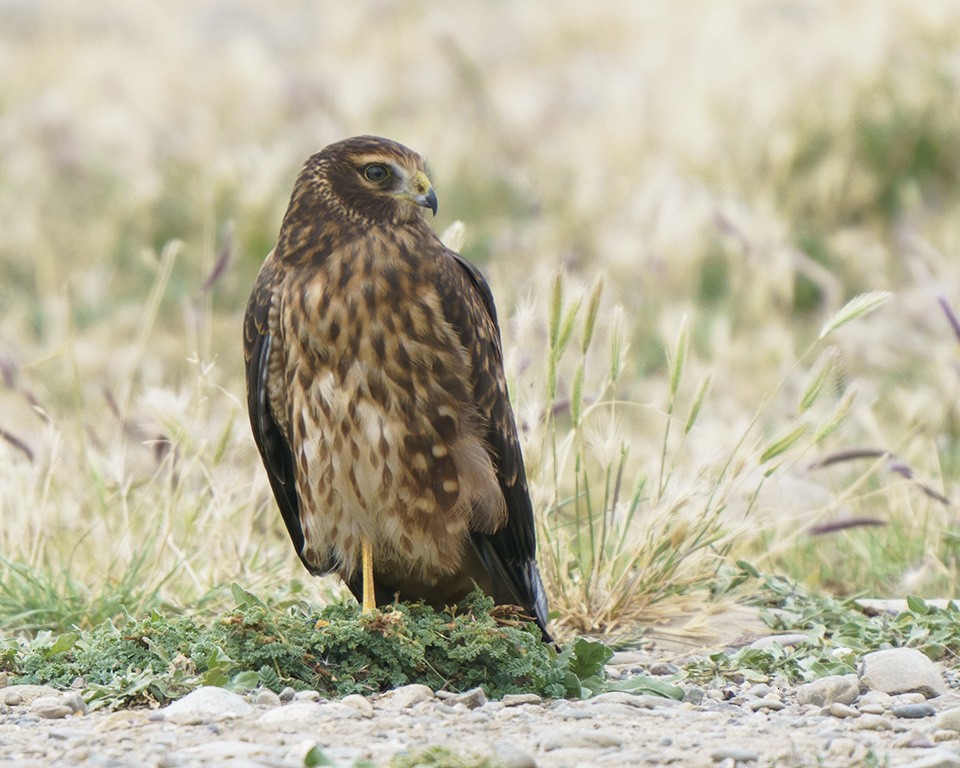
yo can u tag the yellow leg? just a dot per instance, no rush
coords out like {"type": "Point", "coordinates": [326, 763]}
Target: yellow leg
{"type": "Point", "coordinates": [369, 596]}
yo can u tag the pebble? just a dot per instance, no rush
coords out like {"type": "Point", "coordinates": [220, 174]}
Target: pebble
{"type": "Point", "coordinates": [471, 699]}
{"type": "Point", "coordinates": [306, 696]}
{"type": "Point", "coordinates": [206, 705]}
{"type": "Point", "coordinates": [843, 746]}
{"type": "Point", "coordinates": [266, 697]}
{"type": "Point", "coordinates": [360, 703]}
{"type": "Point", "coordinates": [18, 695]}
{"type": "Point", "coordinates": [949, 719]}
{"type": "Point", "coordinates": [914, 740]}
{"type": "Point", "coordinates": [875, 702]}
{"type": "Point", "coordinates": [840, 710]}
{"type": "Point", "coordinates": [901, 670]}
{"type": "Point", "coordinates": [872, 723]}
{"type": "Point", "coordinates": [914, 710]}
{"type": "Point", "coordinates": [737, 754]}
{"type": "Point", "coordinates": [756, 705]}
{"type": "Point", "coordinates": [663, 668]}
{"type": "Point", "coordinates": [843, 689]}
{"type": "Point", "coordinates": [518, 699]}
{"type": "Point", "coordinates": [50, 707]}
{"type": "Point", "coordinates": [406, 696]}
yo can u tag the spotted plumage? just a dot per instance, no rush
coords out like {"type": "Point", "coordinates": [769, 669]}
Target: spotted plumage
{"type": "Point", "coordinates": [376, 391]}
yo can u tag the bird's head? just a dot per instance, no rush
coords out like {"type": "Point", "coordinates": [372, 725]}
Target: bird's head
{"type": "Point", "coordinates": [370, 178]}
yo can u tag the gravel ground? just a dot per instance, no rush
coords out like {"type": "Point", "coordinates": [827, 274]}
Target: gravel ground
{"type": "Point", "coordinates": [900, 710]}
{"type": "Point", "coordinates": [839, 721]}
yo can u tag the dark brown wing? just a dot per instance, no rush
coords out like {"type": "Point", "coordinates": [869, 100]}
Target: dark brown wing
{"type": "Point", "coordinates": [270, 438]}
{"type": "Point", "coordinates": [509, 554]}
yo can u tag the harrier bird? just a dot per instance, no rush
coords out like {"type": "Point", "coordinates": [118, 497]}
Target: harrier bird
{"type": "Point", "coordinates": [377, 395]}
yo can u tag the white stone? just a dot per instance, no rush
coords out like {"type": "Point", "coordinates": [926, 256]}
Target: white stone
{"type": "Point", "coordinates": [949, 719]}
{"type": "Point", "coordinates": [406, 696]}
{"type": "Point", "coordinates": [363, 707]}
{"type": "Point", "coordinates": [833, 689]}
{"type": "Point", "coordinates": [206, 705]}
{"type": "Point", "coordinates": [901, 670]}
{"type": "Point", "coordinates": [18, 695]}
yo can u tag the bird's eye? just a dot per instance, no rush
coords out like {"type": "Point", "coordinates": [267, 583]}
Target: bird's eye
{"type": "Point", "coordinates": [376, 172]}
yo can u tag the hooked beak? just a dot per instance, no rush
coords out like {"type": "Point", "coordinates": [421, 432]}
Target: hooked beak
{"type": "Point", "coordinates": [423, 193]}
{"type": "Point", "coordinates": [428, 200]}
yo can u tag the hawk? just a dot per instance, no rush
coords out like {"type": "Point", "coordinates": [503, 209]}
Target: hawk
{"type": "Point", "coordinates": [377, 395]}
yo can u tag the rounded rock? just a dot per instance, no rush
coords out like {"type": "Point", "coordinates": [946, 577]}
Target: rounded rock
{"type": "Point", "coordinates": [949, 719]}
{"type": "Point", "coordinates": [266, 697]}
{"type": "Point", "coordinates": [913, 711]}
{"type": "Point", "coordinates": [306, 696]}
{"type": "Point", "coordinates": [406, 696]}
{"type": "Point", "coordinates": [471, 699]}
{"type": "Point", "coordinates": [901, 670]}
{"type": "Point", "coordinates": [363, 707]}
{"type": "Point", "coordinates": [206, 705]}
{"type": "Point", "coordinates": [842, 689]}
{"type": "Point", "coordinates": [737, 754]}
{"type": "Point", "coordinates": [872, 723]}
{"type": "Point", "coordinates": [841, 711]}
{"type": "Point", "coordinates": [518, 699]}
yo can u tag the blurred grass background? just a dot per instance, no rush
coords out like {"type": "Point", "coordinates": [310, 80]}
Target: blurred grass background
{"type": "Point", "coordinates": [732, 173]}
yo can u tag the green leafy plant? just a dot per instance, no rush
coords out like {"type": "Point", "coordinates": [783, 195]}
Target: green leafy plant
{"type": "Point", "coordinates": [338, 651]}
{"type": "Point", "coordinates": [839, 632]}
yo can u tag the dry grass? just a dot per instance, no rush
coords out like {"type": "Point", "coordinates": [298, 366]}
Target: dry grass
{"type": "Point", "coordinates": [734, 173]}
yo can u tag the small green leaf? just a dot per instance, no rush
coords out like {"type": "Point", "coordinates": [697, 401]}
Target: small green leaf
{"type": "Point", "coordinates": [588, 658]}
{"type": "Point", "coordinates": [571, 686]}
{"type": "Point", "coordinates": [646, 684]}
{"type": "Point", "coordinates": [315, 756]}
{"type": "Point", "coordinates": [64, 643]}
{"type": "Point", "coordinates": [917, 604]}
{"type": "Point", "coordinates": [591, 686]}
{"type": "Point", "coordinates": [244, 681]}
{"type": "Point", "coordinates": [216, 677]}
{"type": "Point", "coordinates": [243, 598]}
